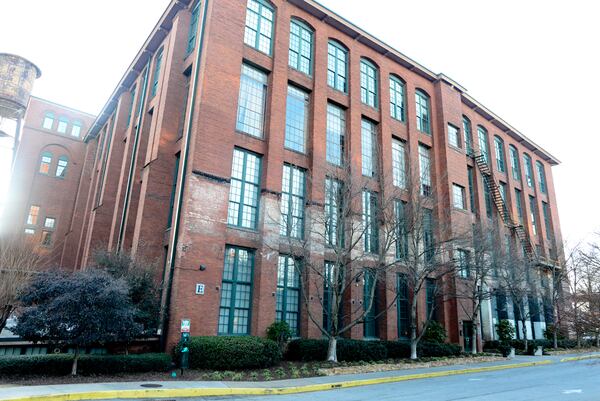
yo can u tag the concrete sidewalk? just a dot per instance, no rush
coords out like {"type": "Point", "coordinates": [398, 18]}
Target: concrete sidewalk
{"type": "Point", "coordinates": [171, 389]}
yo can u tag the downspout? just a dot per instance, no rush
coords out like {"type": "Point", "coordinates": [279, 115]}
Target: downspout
{"type": "Point", "coordinates": [136, 141]}
{"type": "Point", "coordinates": [172, 251]}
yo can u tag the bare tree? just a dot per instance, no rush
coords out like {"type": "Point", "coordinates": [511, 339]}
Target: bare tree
{"type": "Point", "coordinates": [478, 268]}
{"type": "Point", "coordinates": [19, 259]}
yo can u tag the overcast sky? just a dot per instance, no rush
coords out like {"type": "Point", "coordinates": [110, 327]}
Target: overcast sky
{"type": "Point", "coordinates": [534, 63]}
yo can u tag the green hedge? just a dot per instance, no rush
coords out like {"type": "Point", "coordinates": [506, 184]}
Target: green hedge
{"type": "Point", "coordinates": [58, 365]}
{"type": "Point", "coordinates": [519, 345]}
{"type": "Point", "coordinates": [230, 353]}
{"type": "Point", "coordinates": [356, 350]}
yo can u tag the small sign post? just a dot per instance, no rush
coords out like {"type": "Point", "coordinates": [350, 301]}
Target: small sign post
{"type": "Point", "coordinates": [185, 339]}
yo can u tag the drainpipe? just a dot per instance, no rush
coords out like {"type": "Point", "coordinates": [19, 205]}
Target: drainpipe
{"type": "Point", "coordinates": [172, 251]}
{"type": "Point", "coordinates": [134, 152]}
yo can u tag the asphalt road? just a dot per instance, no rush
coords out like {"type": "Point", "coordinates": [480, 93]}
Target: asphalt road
{"type": "Point", "coordinates": [565, 381]}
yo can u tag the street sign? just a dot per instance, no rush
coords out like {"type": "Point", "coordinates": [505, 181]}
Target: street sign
{"type": "Point", "coordinates": [199, 289]}
{"type": "Point", "coordinates": [185, 325]}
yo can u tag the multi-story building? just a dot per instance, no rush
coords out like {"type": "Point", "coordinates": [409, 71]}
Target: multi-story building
{"type": "Point", "coordinates": [231, 107]}
{"type": "Point", "coordinates": [46, 176]}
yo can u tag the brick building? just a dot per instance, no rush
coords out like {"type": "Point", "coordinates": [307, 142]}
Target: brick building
{"type": "Point", "coordinates": [46, 176]}
{"type": "Point", "coordinates": [231, 106]}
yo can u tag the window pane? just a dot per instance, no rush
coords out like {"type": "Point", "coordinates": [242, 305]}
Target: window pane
{"type": "Point", "coordinates": [397, 99]}
{"type": "Point", "coordinates": [292, 201]}
{"type": "Point", "coordinates": [62, 125]}
{"type": "Point", "coordinates": [288, 293]}
{"type": "Point", "coordinates": [61, 167]}
{"type": "Point", "coordinates": [251, 103]}
{"type": "Point", "coordinates": [483, 144]}
{"type": "Point", "coordinates": [259, 26]}
{"type": "Point", "coordinates": [425, 170]}
{"type": "Point", "coordinates": [300, 47]}
{"type": "Point", "coordinates": [296, 120]}
{"type": "Point", "coordinates": [399, 163]}
{"type": "Point", "coordinates": [368, 83]}
{"type": "Point", "coordinates": [336, 66]}
{"type": "Point", "coordinates": [368, 148]}
{"type": "Point", "coordinates": [423, 119]}
{"type": "Point", "coordinates": [244, 189]}
{"type": "Point", "coordinates": [336, 128]}
{"type": "Point", "coordinates": [453, 136]}
{"type": "Point", "coordinates": [236, 291]}
{"type": "Point", "coordinates": [45, 163]}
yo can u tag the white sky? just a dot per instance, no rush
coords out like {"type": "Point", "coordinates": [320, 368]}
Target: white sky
{"type": "Point", "coordinates": [535, 63]}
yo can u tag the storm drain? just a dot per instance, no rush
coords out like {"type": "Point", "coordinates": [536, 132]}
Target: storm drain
{"type": "Point", "coordinates": [151, 385]}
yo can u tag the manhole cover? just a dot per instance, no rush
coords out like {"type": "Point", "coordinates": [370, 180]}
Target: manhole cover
{"type": "Point", "coordinates": [151, 385]}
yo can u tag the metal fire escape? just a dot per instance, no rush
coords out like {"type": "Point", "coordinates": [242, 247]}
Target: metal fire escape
{"type": "Point", "coordinates": [503, 210]}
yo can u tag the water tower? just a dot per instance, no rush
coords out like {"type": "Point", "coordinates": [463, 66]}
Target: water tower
{"type": "Point", "coordinates": [17, 76]}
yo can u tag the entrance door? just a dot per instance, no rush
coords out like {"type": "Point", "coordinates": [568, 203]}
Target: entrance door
{"type": "Point", "coordinates": [467, 334]}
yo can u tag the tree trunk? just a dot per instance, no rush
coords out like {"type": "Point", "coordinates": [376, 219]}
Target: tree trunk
{"type": "Point", "coordinates": [332, 350]}
{"type": "Point", "coordinates": [474, 339]}
{"type": "Point", "coordinates": [74, 367]}
{"type": "Point", "coordinates": [578, 340]}
{"type": "Point", "coordinates": [413, 331]}
{"type": "Point", "coordinates": [555, 325]}
{"type": "Point", "coordinates": [597, 339]}
{"type": "Point", "coordinates": [5, 312]}
{"type": "Point", "coordinates": [555, 338]}
{"type": "Point", "coordinates": [524, 331]}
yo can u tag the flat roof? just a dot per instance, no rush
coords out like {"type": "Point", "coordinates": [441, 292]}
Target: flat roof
{"type": "Point", "coordinates": [338, 22]}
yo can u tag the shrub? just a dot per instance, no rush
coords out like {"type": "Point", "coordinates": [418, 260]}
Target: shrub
{"type": "Point", "coordinates": [549, 333]}
{"type": "Point", "coordinates": [229, 353]}
{"type": "Point", "coordinates": [505, 331]}
{"type": "Point", "coordinates": [279, 332]}
{"type": "Point", "coordinates": [427, 349]}
{"type": "Point", "coordinates": [435, 333]}
{"type": "Point", "coordinates": [59, 365]}
{"type": "Point", "coordinates": [307, 350]}
{"type": "Point", "coordinates": [397, 349]}
{"type": "Point", "coordinates": [347, 350]}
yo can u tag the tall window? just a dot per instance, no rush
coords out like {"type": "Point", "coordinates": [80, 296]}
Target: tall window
{"type": "Point", "coordinates": [50, 223]}
{"type": "Point", "coordinates": [32, 217]}
{"type": "Point", "coordinates": [533, 215]}
{"type": "Point", "coordinates": [514, 163]}
{"type": "Point", "coordinates": [541, 176]}
{"type": "Point", "coordinates": [63, 122]}
{"type": "Point", "coordinates": [244, 190]}
{"type": "Point", "coordinates": [368, 148]}
{"type": "Point", "coordinates": [471, 177]}
{"type": "Point", "coordinates": [287, 307]}
{"type": "Point", "coordinates": [337, 66]}
{"type": "Point", "coordinates": [76, 129]}
{"type": "Point", "coordinates": [519, 204]}
{"type": "Point", "coordinates": [368, 83]}
{"type": "Point", "coordinates": [292, 201]}
{"type": "Point", "coordinates": [251, 103]}
{"type": "Point", "coordinates": [528, 170]}
{"type": "Point", "coordinates": [397, 108]}
{"type": "Point", "coordinates": [174, 188]}
{"type": "Point", "coordinates": [48, 120]}
{"type": "Point", "coordinates": [484, 147]}
{"type": "Point", "coordinates": [401, 230]}
{"type": "Point", "coordinates": [403, 306]}
{"type": "Point", "coordinates": [453, 136]}
{"type": "Point", "coordinates": [462, 261]}
{"type": "Point", "coordinates": [488, 198]}
{"type": "Point", "coordinates": [45, 163]}
{"type": "Point", "coordinates": [334, 233]}
{"type": "Point", "coordinates": [547, 221]}
{"type": "Point", "coordinates": [370, 226]}
{"type": "Point", "coordinates": [398, 163]}
{"type": "Point", "coordinates": [301, 43]}
{"type": "Point", "coordinates": [296, 119]}
{"type": "Point", "coordinates": [336, 131]}
{"type": "Point", "coordinates": [333, 274]}
{"type": "Point", "coordinates": [502, 189]}
{"type": "Point", "coordinates": [61, 166]}
{"type": "Point", "coordinates": [191, 43]}
{"type": "Point", "coordinates": [425, 170]}
{"type": "Point", "coordinates": [130, 114]}
{"type": "Point", "coordinates": [259, 26]}
{"type": "Point", "coordinates": [156, 75]}
{"type": "Point", "coordinates": [370, 300]}
{"type": "Point", "coordinates": [186, 95]}
{"type": "Point", "coordinates": [430, 296]}
{"type": "Point", "coordinates": [500, 158]}
{"type": "Point", "coordinates": [458, 197]}
{"type": "Point", "coordinates": [423, 113]}
{"type": "Point", "coordinates": [236, 291]}
{"type": "Point", "coordinates": [47, 237]}
{"type": "Point", "coordinates": [428, 238]}
{"type": "Point", "coordinates": [468, 135]}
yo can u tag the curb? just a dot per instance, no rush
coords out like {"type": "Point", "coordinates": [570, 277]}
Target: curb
{"type": "Point", "coordinates": [580, 358]}
{"type": "Point", "coordinates": [216, 392]}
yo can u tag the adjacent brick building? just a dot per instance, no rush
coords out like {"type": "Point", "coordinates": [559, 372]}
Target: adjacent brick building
{"type": "Point", "coordinates": [231, 107]}
{"type": "Point", "coordinates": [46, 176]}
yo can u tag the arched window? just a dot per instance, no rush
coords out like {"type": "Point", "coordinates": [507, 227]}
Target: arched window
{"type": "Point", "coordinates": [62, 125]}
{"type": "Point", "coordinates": [337, 66]}
{"type": "Point", "coordinates": [301, 45]}
{"type": "Point", "coordinates": [528, 170]}
{"type": "Point", "coordinates": [48, 120]}
{"type": "Point", "coordinates": [514, 163]}
{"type": "Point", "coordinates": [76, 129]}
{"type": "Point", "coordinates": [423, 113]}
{"type": "Point", "coordinates": [541, 176]}
{"type": "Point", "coordinates": [259, 25]}
{"type": "Point", "coordinates": [45, 163]}
{"type": "Point", "coordinates": [397, 108]}
{"type": "Point", "coordinates": [61, 167]}
{"type": "Point", "coordinates": [500, 157]}
{"type": "Point", "coordinates": [484, 147]}
{"type": "Point", "coordinates": [368, 83]}
{"type": "Point", "coordinates": [468, 135]}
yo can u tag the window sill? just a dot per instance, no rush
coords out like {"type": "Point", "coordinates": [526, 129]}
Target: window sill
{"type": "Point", "coordinates": [244, 229]}
{"type": "Point", "coordinates": [259, 138]}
